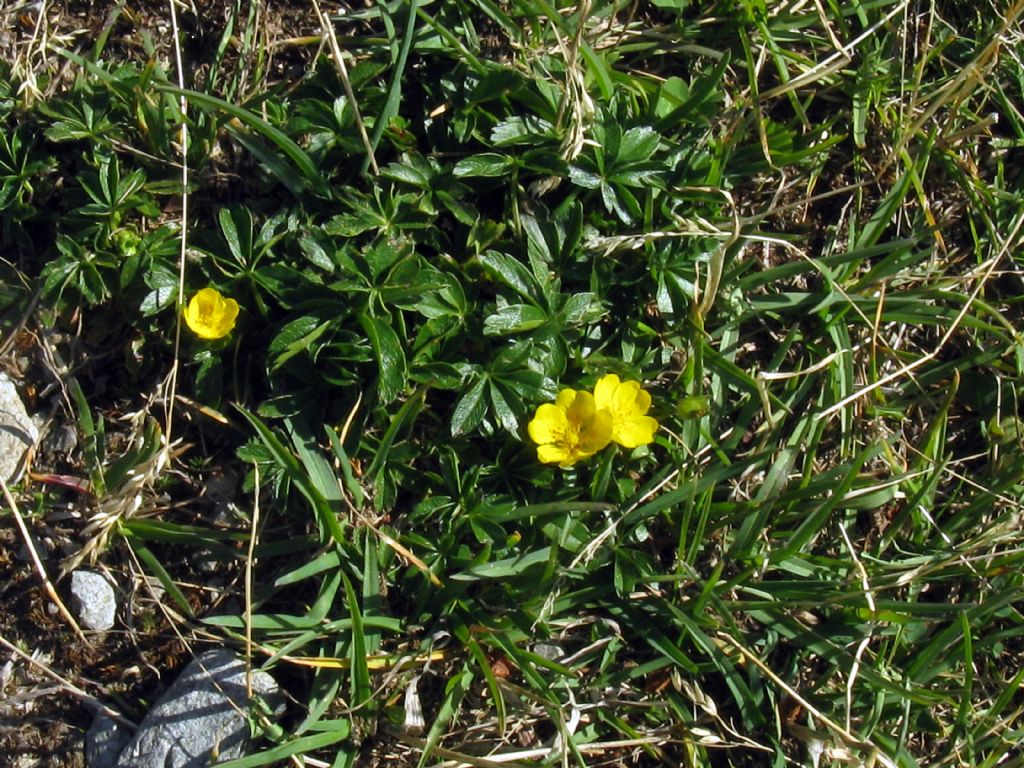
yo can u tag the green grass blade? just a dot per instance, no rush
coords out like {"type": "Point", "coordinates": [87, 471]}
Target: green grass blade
{"type": "Point", "coordinates": [302, 161]}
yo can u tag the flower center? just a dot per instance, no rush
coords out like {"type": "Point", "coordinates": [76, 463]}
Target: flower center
{"type": "Point", "coordinates": [571, 439]}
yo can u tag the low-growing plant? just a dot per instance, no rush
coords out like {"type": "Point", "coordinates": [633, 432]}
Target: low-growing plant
{"type": "Point", "coordinates": [628, 384]}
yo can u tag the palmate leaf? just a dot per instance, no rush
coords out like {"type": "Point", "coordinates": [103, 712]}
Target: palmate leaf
{"type": "Point", "coordinates": [163, 290]}
{"type": "Point", "coordinates": [76, 267]}
{"type": "Point", "coordinates": [71, 121]}
{"type": "Point", "coordinates": [523, 130]}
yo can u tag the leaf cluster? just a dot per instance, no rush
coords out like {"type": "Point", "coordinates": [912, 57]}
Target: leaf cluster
{"type": "Point", "coordinates": [819, 555]}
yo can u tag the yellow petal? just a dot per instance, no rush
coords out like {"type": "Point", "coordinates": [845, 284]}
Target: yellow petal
{"type": "Point", "coordinates": [604, 390]}
{"type": "Point", "coordinates": [196, 314]}
{"type": "Point", "coordinates": [549, 424]}
{"type": "Point", "coordinates": [624, 400]}
{"type": "Point", "coordinates": [643, 401]}
{"type": "Point", "coordinates": [597, 434]}
{"type": "Point", "coordinates": [226, 315]}
{"type": "Point", "coordinates": [565, 398]}
{"type": "Point", "coordinates": [636, 431]}
{"type": "Point", "coordinates": [553, 454]}
{"type": "Point", "coordinates": [582, 409]}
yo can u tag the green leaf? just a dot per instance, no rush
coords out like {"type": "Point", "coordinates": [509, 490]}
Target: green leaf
{"type": "Point", "coordinates": [328, 561]}
{"type": "Point", "coordinates": [704, 91]}
{"type": "Point", "coordinates": [296, 337]}
{"type": "Point", "coordinates": [883, 215]}
{"type": "Point", "coordinates": [495, 84]}
{"type": "Point", "coordinates": [351, 482]}
{"type": "Point", "coordinates": [585, 175]}
{"type": "Point", "coordinates": [511, 273]}
{"type": "Point", "coordinates": [525, 129]}
{"type": "Point", "coordinates": [672, 93]}
{"type": "Point", "coordinates": [504, 569]}
{"type": "Point", "coordinates": [544, 161]}
{"type": "Point", "coordinates": [470, 410]}
{"type": "Point", "coordinates": [163, 285]}
{"type": "Point", "coordinates": [405, 417]}
{"type": "Point", "coordinates": [209, 378]}
{"type": "Point", "coordinates": [391, 361]}
{"type": "Point", "coordinates": [637, 144]}
{"type": "Point", "coordinates": [514, 318]}
{"type": "Point", "coordinates": [384, 254]}
{"type": "Point", "coordinates": [417, 173]}
{"type": "Point", "coordinates": [274, 162]}
{"type": "Point", "coordinates": [340, 730]}
{"type": "Point", "coordinates": [156, 567]}
{"type": "Point", "coordinates": [237, 227]}
{"type": "Point", "coordinates": [138, 453]}
{"type": "Point", "coordinates": [316, 253]}
{"type": "Point", "coordinates": [502, 409]}
{"type": "Point", "coordinates": [582, 308]}
{"type": "Point", "coordinates": [362, 219]}
{"type": "Point", "coordinates": [361, 689]}
{"type": "Point", "coordinates": [486, 164]}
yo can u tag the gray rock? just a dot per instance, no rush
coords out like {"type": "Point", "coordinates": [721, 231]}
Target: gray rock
{"type": "Point", "coordinates": [18, 432]}
{"type": "Point", "coordinates": [94, 599]}
{"type": "Point", "coordinates": [60, 439]}
{"type": "Point", "coordinates": [104, 741]}
{"type": "Point", "coordinates": [201, 715]}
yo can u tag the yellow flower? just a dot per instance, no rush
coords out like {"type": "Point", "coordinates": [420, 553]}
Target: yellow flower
{"type": "Point", "coordinates": [570, 429]}
{"type": "Point", "coordinates": [627, 404]}
{"type": "Point", "coordinates": [210, 315]}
